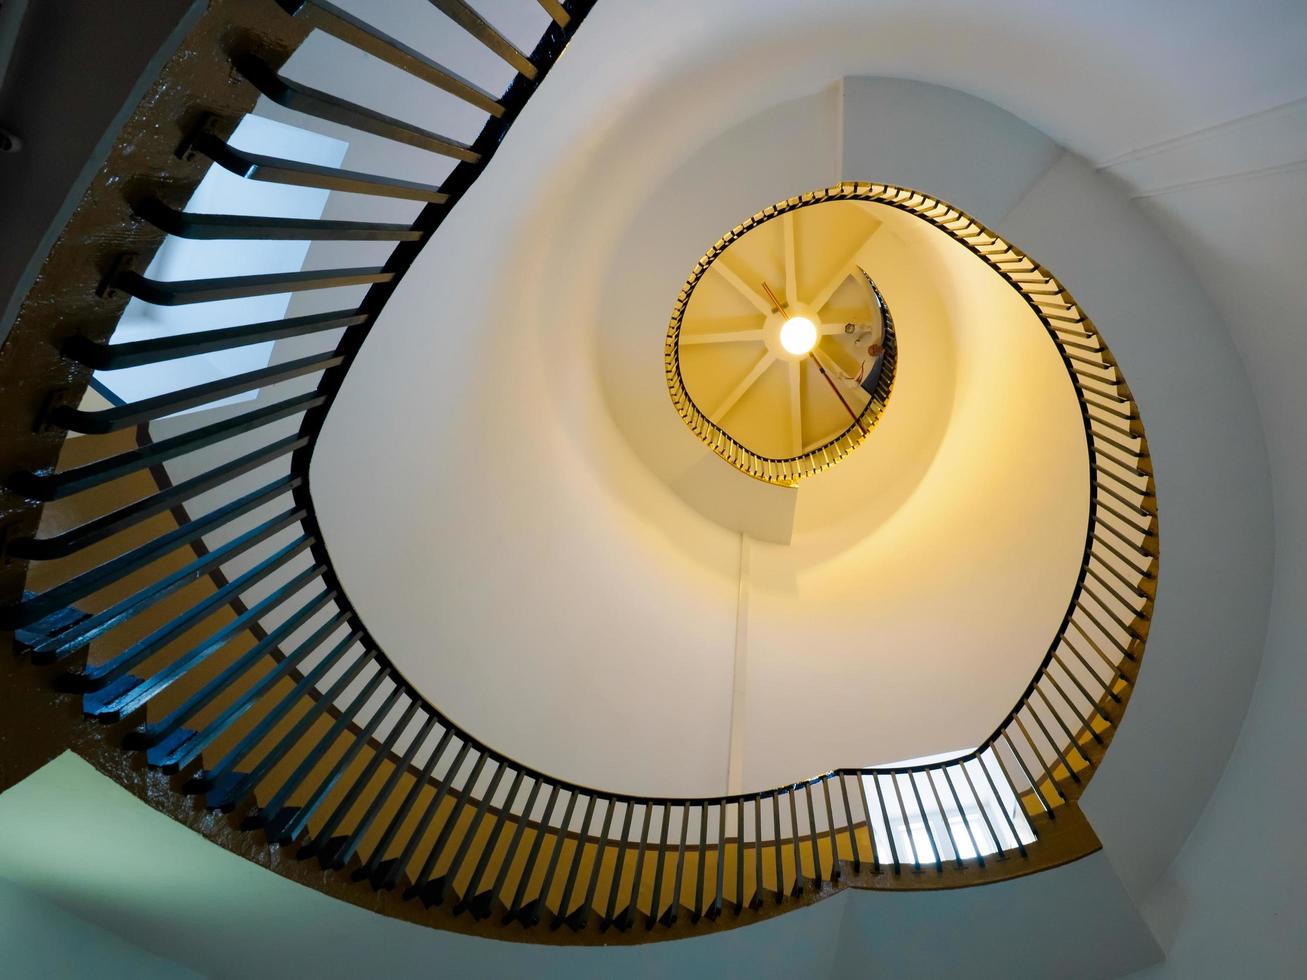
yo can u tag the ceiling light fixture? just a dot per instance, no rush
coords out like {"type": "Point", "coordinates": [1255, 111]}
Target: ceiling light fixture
{"type": "Point", "coordinates": [798, 335]}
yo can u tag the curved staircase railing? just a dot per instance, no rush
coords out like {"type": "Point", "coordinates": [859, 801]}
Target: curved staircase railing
{"type": "Point", "coordinates": [186, 633]}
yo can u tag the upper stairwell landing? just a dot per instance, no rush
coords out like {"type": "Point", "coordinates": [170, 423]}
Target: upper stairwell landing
{"type": "Point", "coordinates": [783, 388]}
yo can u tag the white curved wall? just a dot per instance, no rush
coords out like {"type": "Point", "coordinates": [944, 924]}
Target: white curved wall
{"type": "Point", "coordinates": [661, 94]}
{"type": "Point", "coordinates": [1232, 902]}
{"type": "Point", "coordinates": [908, 626]}
{"type": "Point", "coordinates": [585, 618]}
{"type": "Point", "coordinates": [1121, 84]}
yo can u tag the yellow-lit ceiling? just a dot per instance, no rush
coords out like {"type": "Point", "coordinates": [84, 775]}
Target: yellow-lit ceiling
{"type": "Point", "coordinates": [776, 413]}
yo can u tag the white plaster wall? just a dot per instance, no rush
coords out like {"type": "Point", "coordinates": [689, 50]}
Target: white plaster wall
{"type": "Point", "coordinates": [249, 922]}
{"type": "Point", "coordinates": [911, 621]}
{"type": "Point", "coordinates": [877, 595]}
{"type": "Point", "coordinates": [620, 113]}
{"type": "Point", "coordinates": [40, 939]}
{"type": "Point", "coordinates": [1232, 902]}
{"type": "Point", "coordinates": [74, 836]}
{"type": "Point", "coordinates": [947, 143]}
{"type": "Point", "coordinates": [678, 217]}
{"type": "Point", "coordinates": [1213, 499]}
{"type": "Point", "coordinates": [577, 569]}
{"type": "Point", "coordinates": [560, 614]}
{"type": "Point", "coordinates": [1135, 76]}
{"type": "Point", "coordinates": [1013, 929]}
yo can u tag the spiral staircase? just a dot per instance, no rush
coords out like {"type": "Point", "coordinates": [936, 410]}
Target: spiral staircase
{"type": "Point", "coordinates": [179, 620]}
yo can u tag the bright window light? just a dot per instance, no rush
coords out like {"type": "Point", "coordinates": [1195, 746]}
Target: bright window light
{"type": "Point", "coordinates": [984, 814]}
{"type": "Point", "coordinates": [221, 192]}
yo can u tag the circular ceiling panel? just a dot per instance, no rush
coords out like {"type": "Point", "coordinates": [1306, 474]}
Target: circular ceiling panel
{"type": "Point", "coordinates": [781, 351]}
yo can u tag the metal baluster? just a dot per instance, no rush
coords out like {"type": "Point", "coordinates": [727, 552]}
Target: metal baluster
{"type": "Point", "coordinates": [443, 883]}
{"type": "Point", "coordinates": [286, 825]}
{"type": "Point", "coordinates": [670, 917]}
{"type": "Point", "coordinates": [998, 801]}
{"type": "Point", "coordinates": [1109, 684]}
{"type": "Point", "coordinates": [384, 874]}
{"type": "Point", "coordinates": [470, 896]}
{"type": "Point", "coordinates": [794, 840]}
{"type": "Point", "coordinates": [374, 868]}
{"type": "Point", "coordinates": [301, 98]}
{"type": "Point", "coordinates": [943, 815]}
{"type": "Point", "coordinates": [314, 756]}
{"type": "Point", "coordinates": [106, 357]}
{"type": "Point", "coordinates": [450, 822]}
{"type": "Point", "coordinates": [177, 753]}
{"type": "Point", "coordinates": [359, 34]}
{"type": "Point", "coordinates": [108, 420]}
{"type": "Point", "coordinates": [255, 166]}
{"type": "Point", "coordinates": [1057, 750]}
{"type": "Point", "coordinates": [812, 834]}
{"type": "Point", "coordinates": [130, 693]}
{"type": "Point", "coordinates": [871, 833]}
{"type": "Point", "coordinates": [962, 812]}
{"type": "Point", "coordinates": [925, 819]}
{"type": "Point", "coordinates": [907, 824]}
{"type": "Point", "coordinates": [88, 583]}
{"type": "Point", "coordinates": [167, 733]}
{"type": "Point", "coordinates": [715, 909]}
{"type": "Point", "coordinates": [1016, 717]}
{"type": "Point", "coordinates": [658, 869]}
{"type": "Point", "coordinates": [561, 913]}
{"type": "Point", "coordinates": [1030, 779]}
{"type": "Point", "coordinates": [95, 678]}
{"type": "Point", "coordinates": [331, 851]}
{"type": "Point", "coordinates": [530, 915]}
{"type": "Point", "coordinates": [984, 813]}
{"type": "Point", "coordinates": [610, 912]}
{"type": "Point", "coordinates": [739, 856]}
{"type": "Point", "coordinates": [1055, 744]}
{"type": "Point", "coordinates": [465, 17]}
{"type": "Point", "coordinates": [703, 862]}
{"type": "Point", "coordinates": [777, 847]}
{"type": "Point", "coordinates": [578, 919]}
{"type": "Point", "coordinates": [1093, 703]}
{"type": "Point", "coordinates": [830, 832]}
{"type": "Point", "coordinates": [227, 788]}
{"type": "Point", "coordinates": [480, 905]}
{"type": "Point", "coordinates": [848, 821]}
{"type": "Point", "coordinates": [889, 828]}
{"type": "Point", "coordinates": [627, 918]}
{"type": "Point", "coordinates": [59, 645]}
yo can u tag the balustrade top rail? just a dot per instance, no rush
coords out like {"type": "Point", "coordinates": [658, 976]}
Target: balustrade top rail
{"type": "Point", "coordinates": [191, 613]}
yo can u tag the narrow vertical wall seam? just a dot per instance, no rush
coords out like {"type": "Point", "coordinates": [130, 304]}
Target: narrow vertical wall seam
{"type": "Point", "coordinates": [839, 133]}
{"type": "Point", "coordinates": [739, 676]}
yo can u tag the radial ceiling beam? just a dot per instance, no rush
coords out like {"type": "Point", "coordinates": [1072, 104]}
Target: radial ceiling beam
{"type": "Point", "coordinates": [791, 258]}
{"type": "Point", "coordinates": [796, 408]}
{"type": "Point", "coordinates": [743, 288]}
{"type": "Point", "coordinates": [738, 391]}
{"type": "Point", "coordinates": [722, 337]}
{"type": "Point", "coordinates": [823, 295]}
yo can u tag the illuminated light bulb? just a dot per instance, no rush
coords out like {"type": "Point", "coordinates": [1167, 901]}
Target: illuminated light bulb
{"type": "Point", "coordinates": [798, 335]}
